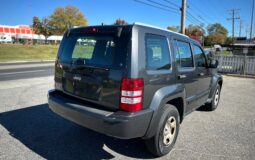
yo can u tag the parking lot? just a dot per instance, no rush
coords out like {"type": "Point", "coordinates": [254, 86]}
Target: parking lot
{"type": "Point", "coordinates": [29, 130]}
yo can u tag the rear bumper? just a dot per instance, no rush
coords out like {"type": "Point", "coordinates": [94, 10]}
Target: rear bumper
{"type": "Point", "coordinates": [118, 124]}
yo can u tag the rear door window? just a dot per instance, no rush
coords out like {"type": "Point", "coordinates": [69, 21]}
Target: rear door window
{"type": "Point", "coordinates": [183, 54]}
{"type": "Point", "coordinates": [157, 52]}
{"type": "Point", "coordinates": [200, 59]}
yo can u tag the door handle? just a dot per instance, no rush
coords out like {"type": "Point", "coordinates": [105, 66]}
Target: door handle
{"type": "Point", "coordinates": [182, 76]}
{"type": "Point", "coordinates": [201, 74]}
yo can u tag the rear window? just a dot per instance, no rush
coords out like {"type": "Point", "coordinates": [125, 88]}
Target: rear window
{"type": "Point", "coordinates": [99, 50]}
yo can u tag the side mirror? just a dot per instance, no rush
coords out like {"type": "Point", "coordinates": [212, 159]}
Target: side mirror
{"type": "Point", "coordinates": [213, 63]}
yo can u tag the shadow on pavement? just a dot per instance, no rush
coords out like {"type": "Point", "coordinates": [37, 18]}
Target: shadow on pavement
{"type": "Point", "coordinates": [53, 137]}
{"type": "Point", "coordinates": [203, 109]}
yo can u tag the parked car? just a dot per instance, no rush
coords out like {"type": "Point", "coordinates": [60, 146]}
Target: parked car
{"type": "Point", "coordinates": [217, 47]}
{"type": "Point", "coordinates": [6, 39]}
{"type": "Point", "coordinates": [133, 81]}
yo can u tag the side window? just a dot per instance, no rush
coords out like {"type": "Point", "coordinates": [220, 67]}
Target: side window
{"type": "Point", "coordinates": [200, 60]}
{"type": "Point", "coordinates": [183, 55]}
{"type": "Point", "coordinates": [157, 52]}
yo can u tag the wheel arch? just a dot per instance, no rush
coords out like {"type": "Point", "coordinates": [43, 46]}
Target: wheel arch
{"type": "Point", "coordinates": [179, 104]}
{"type": "Point", "coordinates": [174, 95]}
{"type": "Point", "coordinates": [220, 82]}
{"type": "Point", "coordinates": [217, 79]}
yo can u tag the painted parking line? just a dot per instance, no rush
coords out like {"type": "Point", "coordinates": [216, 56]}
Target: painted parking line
{"type": "Point", "coordinates": [21, 72]}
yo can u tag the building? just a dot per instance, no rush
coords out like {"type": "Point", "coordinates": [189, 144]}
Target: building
{"type": "Point", "coordinates": [243, 49]}
{"type": "Point", "coordinates": [24, 33]}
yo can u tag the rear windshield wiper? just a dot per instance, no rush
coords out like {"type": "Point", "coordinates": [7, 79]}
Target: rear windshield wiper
{"type": "Point", "coordinates": [79, 61]}
{"type": "Point", "coordinates": [84, 66]}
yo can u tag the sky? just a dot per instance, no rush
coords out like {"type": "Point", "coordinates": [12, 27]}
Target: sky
{"type": "Point", "coordinates": [20, 12]}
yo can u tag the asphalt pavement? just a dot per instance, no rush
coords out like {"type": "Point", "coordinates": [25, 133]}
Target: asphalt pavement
{"type": "Point", "coordinates": [30, 130]}
{"type": "Point", "coordinates": [12, 71]}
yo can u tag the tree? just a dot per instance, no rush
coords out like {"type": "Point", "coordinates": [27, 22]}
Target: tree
{"type": "Point", "coordinates": [215, 39]}
{"type": "Point", "coordinates": [194, 31]}
{"type": "Point", "coordinates": [173, 28]}
{"type": "Point", "coordinates": [65, 18]}
{"type": "Point", "coordinates": [217, 34]}
{"type": "Point", "coordinates": [229, 41]}
{"type": "Point", "coordinates": [36, 25]}
{"type": "Point", "coordinates": [120, 22]}
{"type": "Point", "coordinates": [46, 28]}
{"type": "Point", "coordinates": [42, 27]}
{"type": "Point", "coordinates": [217, 28]}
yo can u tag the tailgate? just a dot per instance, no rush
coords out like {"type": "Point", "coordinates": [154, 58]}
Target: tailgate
{"type": "Point", "coordinates": [91, 65]}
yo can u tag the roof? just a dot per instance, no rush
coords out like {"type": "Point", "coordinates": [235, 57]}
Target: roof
{"type": "Point", "coordinates": [143, 25]}
{"type": "Point", "coordinates": [151, 26]}
{"type": "Point", "coordinates": [138, 24]}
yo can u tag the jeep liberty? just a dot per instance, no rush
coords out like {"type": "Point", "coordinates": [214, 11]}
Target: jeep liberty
{"type": "Point", "coordinates": [130, 81]}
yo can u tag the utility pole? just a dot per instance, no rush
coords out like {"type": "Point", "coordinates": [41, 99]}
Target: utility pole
{"type": "Point", "coordinates": [247, 31]}
{"type": "Point", "coordinates": [240, 28]}
{"type": "Point", "coordinates": [251, 21]}
{"type": "Point", "coordinates": [183, 16]}
{"type": "Point", "coordinates": [233, 18]}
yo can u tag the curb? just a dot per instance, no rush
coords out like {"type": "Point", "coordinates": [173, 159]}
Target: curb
{"type": "Point", "coordinates": [240, 76]}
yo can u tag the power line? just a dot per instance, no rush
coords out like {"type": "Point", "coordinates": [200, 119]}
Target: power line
{"type": "Point", "coordinates": [162, 5]}
{"type": "Point", "coordinates": [213, 11]}
{"type": "Point", "coordinates": [194, 21]}
{"type": "Point", "coordinates": [198, 15]}
{"type": "Point", "coordinates": [168, 8]}
{"type": "Point", "coordinates": [199, 21]}
{"type": "Point", "coordinates": [174, 4]}
{"type": "Point", "coordinates": [200, 12]}
{"type": "Point", "coordinates": [151, 5]}
{"type": "Point", "coordinates": [196, 24]}
{"type": "Point", "coordinates": [203, 19]}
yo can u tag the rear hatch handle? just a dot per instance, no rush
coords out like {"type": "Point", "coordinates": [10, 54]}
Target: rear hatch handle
{"type": "Point", "coordinates": [182, 76]}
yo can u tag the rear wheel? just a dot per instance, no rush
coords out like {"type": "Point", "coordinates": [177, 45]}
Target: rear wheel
{"type": "Point", "coordinates": [215, 100]}
{"type": "Point", "coordinates": [164, 139]}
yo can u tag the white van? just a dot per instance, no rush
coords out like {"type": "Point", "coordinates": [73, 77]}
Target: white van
{"type": "Point", "coordinates": [5, 39]}
{"type": "Point", "coordinates": [217, 47]}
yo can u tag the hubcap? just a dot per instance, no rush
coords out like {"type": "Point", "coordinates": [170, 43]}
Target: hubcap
{"type": "Point", "coordinates": [169, 131]}
{"type": "Point", "coordinates": [216, 98]}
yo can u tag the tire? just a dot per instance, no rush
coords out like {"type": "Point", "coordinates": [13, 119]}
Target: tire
{"type": "Point", "coordinates": [159, 144]}
{"type": "Point", "coordinates": [215, 100]}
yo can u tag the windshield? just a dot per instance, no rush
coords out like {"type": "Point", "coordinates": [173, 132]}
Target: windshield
{"type": "Point", "coordinates": [96, 50]}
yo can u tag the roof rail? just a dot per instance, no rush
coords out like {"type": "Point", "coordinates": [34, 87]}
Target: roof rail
{"type": "Point", "coordinates": [151, 26]}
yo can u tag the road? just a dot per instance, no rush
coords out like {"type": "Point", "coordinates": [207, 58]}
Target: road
{"type": "Point", "coordinates": [30, 130]}
{"type": "Point", "coordinates": [13, 71]}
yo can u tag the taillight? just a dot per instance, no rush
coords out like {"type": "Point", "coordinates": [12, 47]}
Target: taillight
{"type": "Point", "coordinates": [131, 94]}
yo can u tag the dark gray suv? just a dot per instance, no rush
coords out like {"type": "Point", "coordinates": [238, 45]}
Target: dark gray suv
{"type": "Point", "coordinates": [133, 81]}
